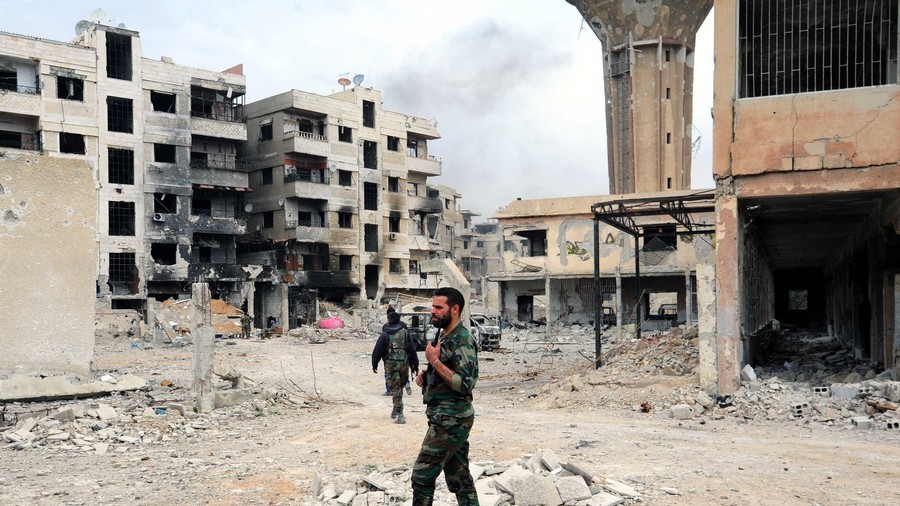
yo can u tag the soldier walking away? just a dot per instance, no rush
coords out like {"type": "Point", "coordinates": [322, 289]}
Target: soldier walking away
{"type": "Point", "coordinates": [447, 384]}
{"type": "Point", "coordinates": [396, 348]}
{"type": "Point", "coordinates": [246, 325]}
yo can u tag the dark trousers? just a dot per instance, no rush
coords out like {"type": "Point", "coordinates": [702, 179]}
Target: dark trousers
{"type": "Point", "coordinates": [445, 448]}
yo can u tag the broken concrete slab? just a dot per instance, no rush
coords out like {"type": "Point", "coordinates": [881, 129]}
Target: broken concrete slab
{"type": "Point", "coordinates": [346, 497]}
{"type": "Point", "coordinates": [534, 490]}
{"type": "Point", "coordinates": [503, 481]}
{"type": "Point", "coordinates": [23, 387]}
{"type": "Point", "coordinates": [476, 471]}
{"type": "Point", "coordinates": [549, 460]}
{"type": "Point", "coordinates": [580, 470]}
{"type": "Point", "coordinates": [372, 479]}
{"type": "Point", "coordinates": [748, 374]}
{"type": "Point", "coordinates": [227, 398]}
{"type": "Point", "coordinates": [620, 488]}
{"type": "Point", "coordinates": [64, 415]}
{"type": "Point", "coordinates": [106, 412]}
{"type": "Point", "coordinates": [844, 391]}
{"type": "Point", "coordinates": [682, 412]}
{"type": "Point", "coordinates": [572, 488]}
{"type": "Point", "coordinates": [602, 499]}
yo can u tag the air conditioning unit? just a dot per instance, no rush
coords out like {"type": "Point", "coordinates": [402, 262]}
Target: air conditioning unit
{"type": "Point", "coordinates": [159, 217]}
{"type": "Point", "coordinates": [392, 236]}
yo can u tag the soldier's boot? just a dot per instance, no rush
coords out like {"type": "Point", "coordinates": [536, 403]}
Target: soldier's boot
{"type": "Point", "coordinates": [394, 413]}
{"type": "Point", "coordinates": [400, 418]}
{"type": "Point", "coordinates": [408, 389]}
{"type": "Point", "coordinates": [466, 499]}
{"type": "Point", "coordinates": [420, 499]}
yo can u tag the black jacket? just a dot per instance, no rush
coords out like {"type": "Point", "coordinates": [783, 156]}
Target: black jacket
{"type": "Point", "coordinates": [381, 346]}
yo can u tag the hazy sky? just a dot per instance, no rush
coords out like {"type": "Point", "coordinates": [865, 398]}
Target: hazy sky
{"type": "Point", "coordinates": [515, 85]}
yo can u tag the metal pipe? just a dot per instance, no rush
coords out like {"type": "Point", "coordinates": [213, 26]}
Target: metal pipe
{"type": "Point", "coordinates": [598, 310]}
{"type": "Point", "coordinates": [637, 286]}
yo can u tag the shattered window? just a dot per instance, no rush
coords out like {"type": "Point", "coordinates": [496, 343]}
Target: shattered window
{"type": "Point", "coordinates": [346, 262]}
{"type": "Point", "coordinates": [393, 143]}
{"type": "Point", "coordinates": [394, 266]}
{"type": "Point", "coordinates": [345, 178]}
{"type": "Point", "coordinates": [368, 114]}
{"type": "Point", "coordinates": [370, 155]}
{"type": "Point", "coordinates": [121, 218]}
{"type": "Point", "coordinates": [72, 143]}
{"type": "Point", "coordinates": [393, 184]}
{"type": "Point", "coordinates": [120, 166]}
{"type": "Point", "coordinates": [118, 56]}
{"type": "Point", "coordinates": [370, 238]}
{"type": "Point", "coordinates": [70, 88]}
{"type": "Point", "coordinates": [345, 134]}
{"type": "Point", "coordinates": [798, 300]}
{"type": "Point", "coordinates": [162, 102]}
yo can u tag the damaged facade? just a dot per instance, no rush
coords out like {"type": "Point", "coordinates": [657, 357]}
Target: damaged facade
{"type": "Point", "coordinates": [807, 172]}
{"type": "Point", "coordinates": [548, 266]}
{"type": "Point", "coordinates": [341, 200]}
{"type": "Point", "coordinates": [161, 140]}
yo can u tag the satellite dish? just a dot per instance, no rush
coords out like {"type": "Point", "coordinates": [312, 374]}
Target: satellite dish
{"type": "Point", "coordinates": [358, 79]}
{"type": "Point", "coordinates": [248, 207]}
{"type": "Point", "coordinates": [120, 25]}
{"type": "Point", "coordinates": [82, 26]}
{"type": "Point", "coordinates": [97, 15]}
{"type": "Point", "coordinates": [344, 82]}
{"type": "Point", "coordinates": [280, 201]}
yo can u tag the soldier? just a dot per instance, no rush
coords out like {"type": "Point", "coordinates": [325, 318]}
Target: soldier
{"type": "Point", "coordinates": [447, 385]}
{"type": "Point", "coordinates": [245, 325]}
{"type": "Point", "coordinates": [397, 350]}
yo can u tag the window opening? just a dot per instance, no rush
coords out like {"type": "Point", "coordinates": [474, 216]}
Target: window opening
{"type": "Point", "coordinates": [265, 132]}
{"type": "Point", "coordinates": [368, 114]}
{"type": "Point", "coordinates": [799, 47]}
{"type": "Point", "coordinates": [345, 178]}
{"type": "Point", "coordinates": [393, 143]}
{"type": "Point", "coordinates": [121, 218]}
{"type": "Point", "coordinates": [370, 238]}
{"type": "Point", "coordinates": [163, 102]}
{"type": "Point", "coordinates": [120, 166]}
{"type": "Point", "coordinates": [165, 203]}
{"type": "Point", "coordinates": [123, 271]}
{"type": "Point", "coordinates": [201, 206]}
{"type": "Point", "coordinates": [118, 56]}
{"type": "Point", "coordinates": [345, 134]}
{"type": "Point", "coordinates": [370, 196]}
{"type": "Point", "coordinates": [798, 300]}
{"type": "Point", "coordinates": [394, 224]}
{"type": "Point", "coordinates": [266, 177]}
{"type": "Point", "coordinates": [345, 262]}
{"type": "Point", "coordinates": [9, 80]}
{"type": "Point", "coordinates": [370, 155]}
{"type": "Point", "coordinates": [412, 148]}
{"type": "Point", "coordinates": [268, 219]}
{"type": "Point", "coordinates": [668, 54]}
{"type": "Point", "coordinates": [668, 93]}
{"type": "Point", "coordinates": [394, 266]}
{"type": "Point", "coordinates": [119, 115]}
{"type": "Point", "coordinates": [413, 266]}
{"type": "Point", "coordinates": [71, 143]}
{"type": "Point", "coordinates": [164, 153]}
{"type": "Point", "coordinates": [668, 183]}
{"type": "Point", "coordinates": [393, 184]}
{"type": "Point", "coordinates": [163, 253]}
{"type": "Point", "coordinates": [537, 242]}
{"type": "Point", "coordinates": [219, 105]}
{"type": "Point", "coordinates": [345, 220]}
{"type": "Point", "coordinates": [69, 88]}
{"type": "Point", "coordinates": [668, 137]}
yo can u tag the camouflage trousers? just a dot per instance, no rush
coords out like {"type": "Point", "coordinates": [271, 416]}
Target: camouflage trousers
{"type": "Point", "coordinates": [396, 374]}
{"type": "Point", "coordinates": [446, 447]}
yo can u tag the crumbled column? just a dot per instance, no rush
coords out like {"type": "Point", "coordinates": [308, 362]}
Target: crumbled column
{"type": "Point", "coordinates": [203, 336]}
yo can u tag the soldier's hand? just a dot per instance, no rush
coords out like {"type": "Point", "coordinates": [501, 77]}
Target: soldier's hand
{"type": "Point", "coordinates": [433, 352]}
{"type": "Point", "coordinates": [420, 378]}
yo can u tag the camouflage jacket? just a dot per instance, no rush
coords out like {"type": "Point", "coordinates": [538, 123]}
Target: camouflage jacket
{"type": "Point", "coordinates": [459, 353]}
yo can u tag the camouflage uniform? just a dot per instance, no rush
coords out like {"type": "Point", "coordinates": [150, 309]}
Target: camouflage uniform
{"type": "Point", "coordinates": [450, 418]}
{"type": "Point", "coordinates": [396, 368]}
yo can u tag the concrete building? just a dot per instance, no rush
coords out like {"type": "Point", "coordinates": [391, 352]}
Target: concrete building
{"type": "Point", "coordinates": [161, 140]}
{"type": "Point", "coordinates": [648, 77]}
{"type": "Point", "coordinates": [341, 200]}
{"type": "Point", "coordinates": [549, 256]}
{"type": "Point", "coordinates": [807, 172]}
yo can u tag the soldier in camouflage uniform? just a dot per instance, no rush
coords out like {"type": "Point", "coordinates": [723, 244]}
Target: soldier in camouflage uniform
{"type": "Point", "coordinates": [396, 348]}
{"type": "Point", "coordinates": [447, 385]}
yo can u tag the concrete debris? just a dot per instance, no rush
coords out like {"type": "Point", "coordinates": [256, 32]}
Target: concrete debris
{"type": "Point", "coordinates": [682, 412]}
{"type": "Point", "coordinates": [515, 485]}
{"type": "Point", "coordinates": [748, 374]}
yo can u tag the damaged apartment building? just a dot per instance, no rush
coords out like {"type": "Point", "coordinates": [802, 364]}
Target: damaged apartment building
{"type": "Point", "coordinates": [161, 140]}
{"type": "Point", "coordinates": [341, 202]}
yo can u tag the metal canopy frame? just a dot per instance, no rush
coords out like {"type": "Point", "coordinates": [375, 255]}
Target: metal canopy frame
{"type": "Point", "coordinates": [632, 216]}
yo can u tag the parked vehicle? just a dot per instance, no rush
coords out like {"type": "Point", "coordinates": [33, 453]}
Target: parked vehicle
{"type": "Point", "coordinates": [607, 316]}
{"type": "Point", "coordinates": [486, 331]}
{"type": "Point", "coordinates": [418, 326]}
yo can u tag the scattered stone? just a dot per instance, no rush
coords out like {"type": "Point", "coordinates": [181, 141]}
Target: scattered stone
{"type": "Point", "coordinates": [106, 412]}
{"type": "Point", "coordinates": [619, 488]}
{"type": "Point", "coordinates": [682, 412]}
{"type": "Point", "coordinates": [602, 499]}
{"type": "Point", "coordinates": [748, 374]}
{"type": "Point", "coordinates": [862, 422]}
{"type": "Point", "coordinates": [572, 488]}
{"type": "Point", "coordinates": [670, 490]}
{"type": "Point", "coordinates": [346, 497]}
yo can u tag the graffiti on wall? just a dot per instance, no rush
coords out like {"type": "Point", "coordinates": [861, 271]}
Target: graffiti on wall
{"type": "Point", "coordinates": [576, 248]}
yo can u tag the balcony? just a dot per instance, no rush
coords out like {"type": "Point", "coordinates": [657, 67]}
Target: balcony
{"type": "Point", "coordinates": [430, 166]}
{"type": "Point", "coordinates": [20, 100]}
{"type": "Point", "coordinates": [306, 143]}
{"type": "Point", "coordinates": [18, 140]}
{"type": "Point", "coordinates": [217, 272]}
{"type": "Point", "coordinates": [425, 205]}
{"type": "Point", "coordinates": [222, 129]}
{"type": "Point", "coordinates": [310, 230]}
{"type": "Point", "coordinates": [308, 184]}
{"type": "Point", "coordinates": [230, 163]}
{"type": "Point", "coordinates": [218, 223]}
{"type": "Point", "coordinates": [327, 279]}
{"type": "Point", "coordinates": [157, 272]}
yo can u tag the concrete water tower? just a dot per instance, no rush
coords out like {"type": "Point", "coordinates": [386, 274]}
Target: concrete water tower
{"type": "Point", "coordinates": [648, 72]}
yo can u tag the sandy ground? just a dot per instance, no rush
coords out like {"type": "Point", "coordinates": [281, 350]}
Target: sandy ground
{"type": "Point", "coordinates": [271, 456]}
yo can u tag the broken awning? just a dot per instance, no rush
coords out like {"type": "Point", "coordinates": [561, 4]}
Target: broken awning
{"type": "Point", "coordinates": [224, 188]}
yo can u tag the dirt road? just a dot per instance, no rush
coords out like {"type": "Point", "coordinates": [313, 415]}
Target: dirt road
{"type": "Point", "coordinates": [269, 453]}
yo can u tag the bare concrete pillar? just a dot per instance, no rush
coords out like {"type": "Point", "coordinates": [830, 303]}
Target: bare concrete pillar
{"type": "Point", "coordinates": [203, 335]}
{"type": "Point", "coordinates": [728, 327]}
{"type": "Point", "coordinates": [706, 326]}
{"type": "Point", "coordinates": [284, 320]}
{"type": "Point", "coordinates": [251, 299]}
{"type": "Point", "coordinates": [896, 333]}
{"type": "Point", "coordinates": [619, 308]}
{"type": "Point", "coordinates": [688, 299]}
{"type": "Point", "coordinates": [549, 302]}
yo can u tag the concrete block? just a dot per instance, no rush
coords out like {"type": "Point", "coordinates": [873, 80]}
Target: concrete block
{"type": "Point", "coordinates": [821, 390]}
{"type": "Point", "coordinates": [64, 415]}
{"type": "Point", "coordinates": [808, 162]}
{"type": "Point", "coordinates": [486, 487]}
{"type": "Point", "coordinates": [476, 471]}
{"type": "Point", "coordinates": [844, 391]}
{"type": "Point", "coordinates": [226, 398]}
{"type": "Point", "coordinates": [376, 498]}
{"type": "Point", "coordinates": [892, 425]}
{"type": "Point", "coordinates": [892, 391]}
{"type": "Point", "coordinates": [27, 425]}
{"type": "Point", "coordinates": [62, 436]}
{"type": "Point", "coordinates": [372, 479]}
{"type": "Point", "coordinates": [101, 448]}
{"type": "Point", "coordinates": [748, 374]}
{"type": "Point", "coordinates": [550, 460]}
{"type": "Point", "coordinates": [489, 499]}
{"type": "Point", "coordinates": [800, 409]}
{"type": "Point", "coordinates": [580, 469]}
{"type": "Point", "coordinates": [533, 490]}
{"type": "Point", "coordinates": [572, 488]}
{"type": "Point", "coordinates": [682, 412]}
{"type": "Point", "coordinates": [619, 488]}
{"type": "Point", "coordinates": [503, 481]}
{"type": "Point", "coordinates": [862, 422]}
{"type": "Point", "coordinates": [533, 464]}
{"type": "Point", "coordinates": [346, 497]}
{"type": "Point", "coordinates": [360, 500]}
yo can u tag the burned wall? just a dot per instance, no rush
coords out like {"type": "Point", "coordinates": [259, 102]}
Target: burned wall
{"type": "Point", "coordinates": [48, 255]}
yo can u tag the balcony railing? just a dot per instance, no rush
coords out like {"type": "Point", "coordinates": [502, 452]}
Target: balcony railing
{"type": "Point", "coordinates": [29, 90]}
{"type": "Point", "coordinates": [315, 176]}
{"type": "Point", "coordinates": [305, 135]}
{"type": "Point", "coordinates": [233, 164]}
{"type": "Point", "coordinates": [31, 144]}
{"type": "Point", "coordinates": [221, 111]}
{"type": "Point", "coordinates": [314, 223]}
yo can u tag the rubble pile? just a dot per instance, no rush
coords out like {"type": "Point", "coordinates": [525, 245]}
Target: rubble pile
{"type": "Point", "coordinates": [126, 423]}
{"type": "Point", "coordinates": [226, 318]}
{"type": "Point", "coordinates": [536, 479]}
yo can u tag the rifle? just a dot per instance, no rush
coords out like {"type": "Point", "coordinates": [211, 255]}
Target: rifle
{"type": "Point", "coordinates": [429, 372]}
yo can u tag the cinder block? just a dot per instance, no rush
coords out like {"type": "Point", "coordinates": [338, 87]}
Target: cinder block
{"type": "Point", "coordinates": [821, 390]}
{"type": "Point", "coordinates": [862, 422]}
{"type": "Point", "coordinates": [844, 391]}
{"type": "Point", "coordinates": [800, 409]}
{"type": "Point", "coordinates": [892, 425]}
